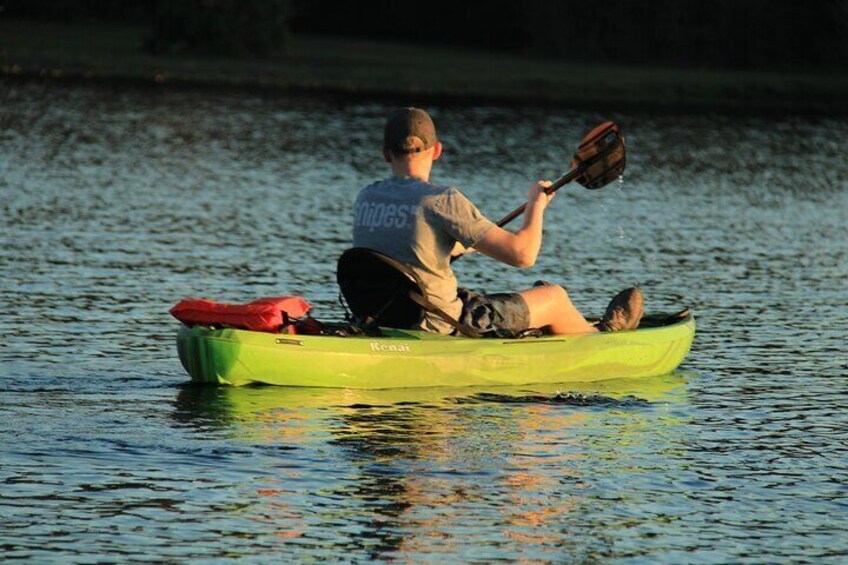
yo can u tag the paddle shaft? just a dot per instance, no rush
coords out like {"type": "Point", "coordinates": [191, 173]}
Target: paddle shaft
{"type": "Point", "coordinates": [556, 185]}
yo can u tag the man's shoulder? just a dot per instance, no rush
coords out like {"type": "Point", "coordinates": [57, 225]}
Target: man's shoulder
{"type": "Point", "coordinates": [450, 197]}
{"type": "Point", "coordinates": [372, 186]}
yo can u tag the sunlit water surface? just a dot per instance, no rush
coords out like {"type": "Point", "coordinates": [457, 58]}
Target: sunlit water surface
{"type": "Point", "coordinates": [117, 203]}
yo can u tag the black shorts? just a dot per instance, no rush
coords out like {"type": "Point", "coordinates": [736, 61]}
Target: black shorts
{"type": "Point", "coordinates": [503, 314]}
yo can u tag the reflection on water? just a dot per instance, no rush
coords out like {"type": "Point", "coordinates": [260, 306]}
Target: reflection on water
{"type": "Point", "coordinates": [405, 473]}
{"type": "Point", "coordinates": [118, 203]}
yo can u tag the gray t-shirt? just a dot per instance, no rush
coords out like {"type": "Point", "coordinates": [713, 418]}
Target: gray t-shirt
{"type": "Point", "coordinates": [418, 223]}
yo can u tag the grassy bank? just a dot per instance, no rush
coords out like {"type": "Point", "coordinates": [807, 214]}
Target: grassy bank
{"type": "Point", "coordinates": [101, 52]}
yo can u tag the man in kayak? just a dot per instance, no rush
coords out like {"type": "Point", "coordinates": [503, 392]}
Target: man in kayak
{"type": "Point", "coordinates": [422, 224]}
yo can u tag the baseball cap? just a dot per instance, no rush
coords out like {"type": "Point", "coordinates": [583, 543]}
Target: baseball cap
{"type": "Point", "coordinates": [409, 130]}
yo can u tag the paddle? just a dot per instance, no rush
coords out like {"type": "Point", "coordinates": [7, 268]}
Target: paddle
{"type": "Point", "coordinates": [599, 160]}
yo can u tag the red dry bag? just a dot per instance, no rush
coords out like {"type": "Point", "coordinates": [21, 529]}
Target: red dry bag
{"type": "Point", "coordinates": [262, 315]}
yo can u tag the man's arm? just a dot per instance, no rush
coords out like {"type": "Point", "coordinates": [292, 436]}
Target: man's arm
{"type": "Point", "coordinates": [519, 249]}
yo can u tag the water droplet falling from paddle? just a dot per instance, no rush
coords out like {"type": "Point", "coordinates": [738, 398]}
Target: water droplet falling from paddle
{"type": "Point", "coordinates": [620, 229]}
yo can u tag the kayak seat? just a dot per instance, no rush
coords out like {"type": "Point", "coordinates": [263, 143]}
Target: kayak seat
{"type": "Point", "coordinates": [383, 292]}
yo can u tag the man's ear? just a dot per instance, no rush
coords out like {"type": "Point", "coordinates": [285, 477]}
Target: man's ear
{"type": "Point", "coordinates": [387, 155]}
{"type": "Point", "coordinates": [437, 150]}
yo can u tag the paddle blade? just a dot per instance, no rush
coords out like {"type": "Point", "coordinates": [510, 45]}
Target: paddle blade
{"type": "Point", "coordinates": [601, 155]}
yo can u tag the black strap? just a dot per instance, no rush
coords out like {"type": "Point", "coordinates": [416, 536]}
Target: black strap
{"type": "Point", "coordinates": [425, 303]}
{"type": "Point", "coordinates": [347, 313]}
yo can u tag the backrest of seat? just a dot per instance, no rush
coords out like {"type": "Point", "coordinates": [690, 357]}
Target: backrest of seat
{"type": "Point", "coordinates": [377, 288]}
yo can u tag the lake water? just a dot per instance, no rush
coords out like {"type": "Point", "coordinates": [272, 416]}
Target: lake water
{"type": "Point", "coordinates": [117, 203]}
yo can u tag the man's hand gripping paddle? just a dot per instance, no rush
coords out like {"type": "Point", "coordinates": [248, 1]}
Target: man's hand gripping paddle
{"type": "Point", "coordinates": [599, 160]}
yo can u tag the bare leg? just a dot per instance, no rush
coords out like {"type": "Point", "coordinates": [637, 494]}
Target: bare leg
{"type": "Point", "coordinates": [551, 308]}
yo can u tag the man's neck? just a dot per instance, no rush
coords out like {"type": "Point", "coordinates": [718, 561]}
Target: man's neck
{"type": "Point", "coordinates": [403, 176]}
{"type": "Point", "coordinates": [412, 169]}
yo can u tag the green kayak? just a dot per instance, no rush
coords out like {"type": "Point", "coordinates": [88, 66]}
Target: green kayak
{"type": "Point", "coordinates": [406, 358]}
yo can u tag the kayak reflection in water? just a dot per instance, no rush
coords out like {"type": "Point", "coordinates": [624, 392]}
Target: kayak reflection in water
{"type": "Point", "coordinates": [424, 225]}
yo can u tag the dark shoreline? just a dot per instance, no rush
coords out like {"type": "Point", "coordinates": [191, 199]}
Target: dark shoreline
{"type": "Point", "coordinates": [607, 107]}
{"type": "Point", "coordinates": [334, 68]}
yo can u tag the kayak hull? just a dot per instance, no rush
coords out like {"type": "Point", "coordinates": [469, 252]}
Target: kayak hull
{"type": "Point", "coordinates": [403, 359]}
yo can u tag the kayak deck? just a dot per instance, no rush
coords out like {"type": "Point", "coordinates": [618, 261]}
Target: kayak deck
{"type": "Point", "coordinates": [407, 358]}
